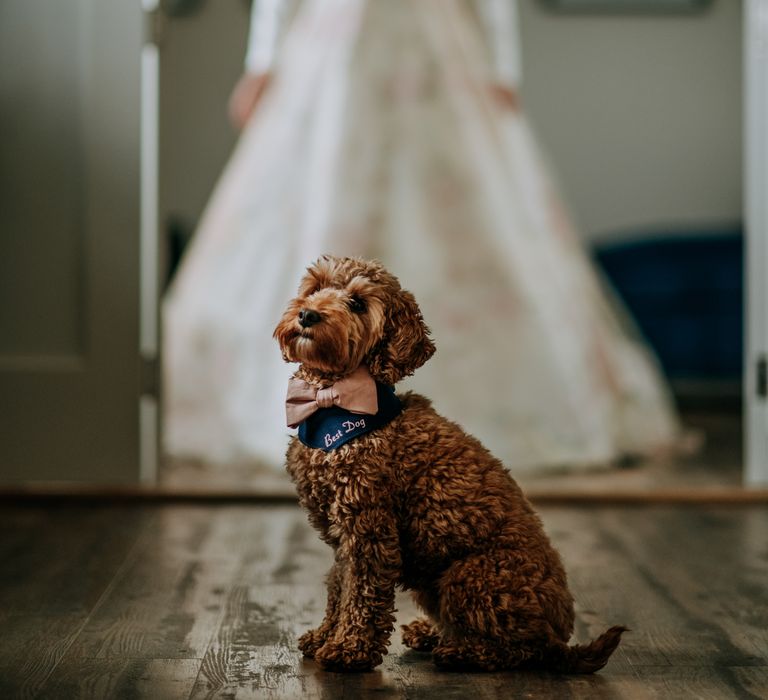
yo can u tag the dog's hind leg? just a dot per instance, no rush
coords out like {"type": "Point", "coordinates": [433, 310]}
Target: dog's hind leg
{"type": "Point", "coordinates": [477, 654]}
{"type": "Point", "coordinates": [489, 616]}
{"type": "Point", "coordinates": [420, 635]}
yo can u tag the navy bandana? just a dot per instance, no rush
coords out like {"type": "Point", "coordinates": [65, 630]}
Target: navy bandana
{"type": "Point", "coordinates": [329, 428]}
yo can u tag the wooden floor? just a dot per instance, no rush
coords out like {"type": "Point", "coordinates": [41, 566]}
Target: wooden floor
{"type": "Point", "coordinates": [207, 602]}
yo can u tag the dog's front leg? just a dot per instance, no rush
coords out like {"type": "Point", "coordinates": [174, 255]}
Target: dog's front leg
{"type": "Point", "coordinates": [369, 566]}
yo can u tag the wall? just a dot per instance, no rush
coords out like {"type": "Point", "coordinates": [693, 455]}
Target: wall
{"type": "Point", "coordinates": [641, 115]}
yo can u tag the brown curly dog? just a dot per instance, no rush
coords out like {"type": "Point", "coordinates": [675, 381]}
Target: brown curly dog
{"type": "Point", "coordinates": [416, 503]}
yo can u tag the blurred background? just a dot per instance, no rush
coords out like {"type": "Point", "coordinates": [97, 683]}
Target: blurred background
{"type": "Point", "coordinates": [114, 131]}
{"type": "Point", "coordinates": [641, 116]}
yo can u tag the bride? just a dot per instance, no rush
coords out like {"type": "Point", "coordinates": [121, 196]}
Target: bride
{"type": "Point", "coordinates": [390, 129]}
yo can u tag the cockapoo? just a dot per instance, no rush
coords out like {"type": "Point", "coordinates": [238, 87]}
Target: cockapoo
{"type": "Point", "coordinates": [407, 498]}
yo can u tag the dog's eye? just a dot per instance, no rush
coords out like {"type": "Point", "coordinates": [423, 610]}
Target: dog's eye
{"type": "Point", "coordinates": [357, 305]}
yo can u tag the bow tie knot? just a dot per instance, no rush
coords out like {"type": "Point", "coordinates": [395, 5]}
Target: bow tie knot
{"type": "Point", "coordinates": [325, 398]}
{"type": "Point", "coordinates": [355, 393]}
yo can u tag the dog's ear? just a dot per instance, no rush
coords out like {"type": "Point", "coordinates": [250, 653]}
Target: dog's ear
{"type": "Point", "coordinates": [405, 345]}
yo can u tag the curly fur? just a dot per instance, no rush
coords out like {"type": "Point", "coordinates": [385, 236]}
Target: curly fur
{"type": "Point", "coordinates": [418, 504]}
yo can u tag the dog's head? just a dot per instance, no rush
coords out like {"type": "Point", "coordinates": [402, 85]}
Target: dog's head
{"type": "Point", "coordinates": [350, 312]}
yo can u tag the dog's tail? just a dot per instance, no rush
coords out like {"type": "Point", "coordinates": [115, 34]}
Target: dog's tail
{"type": "Point", "coordinates": [583, 658]}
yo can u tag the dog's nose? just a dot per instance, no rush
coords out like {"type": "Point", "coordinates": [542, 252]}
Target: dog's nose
{"type": "Point", "coordinates": [308, 317]}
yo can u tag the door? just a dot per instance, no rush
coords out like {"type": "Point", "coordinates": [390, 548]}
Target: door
{"type": "Point", "coordinates": [756, 176]}
{"type": "Point", "coordinates": [71, 334]}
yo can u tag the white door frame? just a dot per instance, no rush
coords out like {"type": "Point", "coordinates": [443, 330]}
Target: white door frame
{"type": "Point", "coordinates": [149, 280]}
{"type": "Point", "coordinates": [756, 258]}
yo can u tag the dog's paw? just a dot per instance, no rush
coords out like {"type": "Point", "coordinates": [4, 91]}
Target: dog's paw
{"type": "Point", "coordinates": [420, 635]}
{"type": "Point", "coordinates": [310, 642]}
{"type": "Point", "coordinates": [349, 655]}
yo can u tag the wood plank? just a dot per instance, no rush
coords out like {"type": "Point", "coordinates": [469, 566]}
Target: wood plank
{"type": "Point", "coordinates": [254, 650]}
{"type": "Point", "coordinates": [753, 679]}
{"type": "Point", "coordinates": [60, 563]}
{"type": "Point", "coordinates": [56, 572]}
{"type": "Point", "coordinates": [267, 606]}
{"type": "Point", "coordinates": [31, 646]}
{"type": "Point", "coordinates": [153, 679]}
{"type": "Point", "coordinates": [162, 611]}
{"type": "Point", "coordinates": [167, 603]}
{"type": "Point", "coordinates": [703, 682]}
{"type": "Point", "coordinates": [167, 678]}
{"type": "Point", "coordinates": [719, 577]}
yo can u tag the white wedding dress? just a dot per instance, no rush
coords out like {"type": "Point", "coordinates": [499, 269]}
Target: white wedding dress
{"type": "Point", "coordinates": [379, 137]}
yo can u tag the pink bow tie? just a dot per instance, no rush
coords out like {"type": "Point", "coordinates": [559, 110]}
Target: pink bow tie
{"type": "Point", "coordinates": [355, 393]}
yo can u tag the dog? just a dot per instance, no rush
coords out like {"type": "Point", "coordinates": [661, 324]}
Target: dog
{"type": "Point", "coordinates": [408, 499]}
